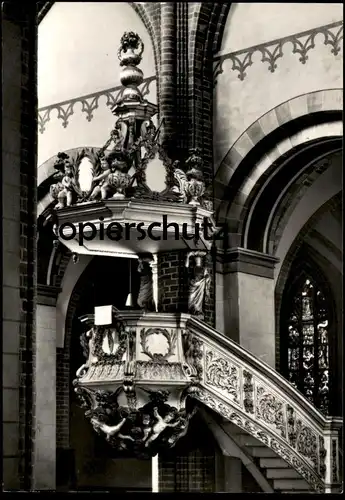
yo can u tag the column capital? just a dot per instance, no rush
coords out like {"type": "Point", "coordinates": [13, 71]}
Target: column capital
{"type": "Point", "coordinates": [243, 260]}
{"type": "Point", "coordinates": [47, 294]}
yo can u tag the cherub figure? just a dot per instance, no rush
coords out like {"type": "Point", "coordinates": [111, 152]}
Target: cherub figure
{"type": "Point", "coordinates": [102, 189]}
{"type": "Point", "coordinates": [110, 431]}
{"type": "Point", "coordinates": [161, 424]}
{"type": "Point", "coordinates": [64, 190]}
{"type": "Point", "coordinates": [115, 162]}
{"type": "Point", "coordinates": [146, 426]}
{"type": "Point", "coordinates": [183, 427]}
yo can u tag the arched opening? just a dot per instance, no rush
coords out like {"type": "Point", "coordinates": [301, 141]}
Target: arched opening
{"type": "Point", "coordinates": [308, 329]}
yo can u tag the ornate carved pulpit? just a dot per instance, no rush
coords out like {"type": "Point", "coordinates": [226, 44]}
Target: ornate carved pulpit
{"type": "Point", "coordinates": [139, 370]}
{"type": "Point", "coordinates": [140, 365]}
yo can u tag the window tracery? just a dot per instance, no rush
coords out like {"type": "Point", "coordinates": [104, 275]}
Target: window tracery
{"type": "Point", "coordinates": [307, 341]}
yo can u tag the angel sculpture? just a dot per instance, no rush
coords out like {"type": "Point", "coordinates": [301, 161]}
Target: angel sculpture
{"type": "Point", "coordinates": [183, 427]}
{"type": "Point", "coordinates": [191, 185]}
{"type": "Point", "coordinates": [67, 189]}
{"type": "Point", "coordinates": [161, 424]}
{"type": "Point", "coordinates": [111, 431]}
{"type": "Point", "coordinates": [102, 188]}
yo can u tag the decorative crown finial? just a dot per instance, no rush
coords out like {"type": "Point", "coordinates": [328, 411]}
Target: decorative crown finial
{"type": "Point", "coordinates": [130, 55]}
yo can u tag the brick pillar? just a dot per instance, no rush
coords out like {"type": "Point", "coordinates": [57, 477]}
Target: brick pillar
{"type": "Point", "coordinates": [11, 302]}
{"type": "Point", "coordinates": [167, 76]}
{"type": "Point", "coordinates": [245, 301]}
{"type": "Point", "coordinates": [182, 77]}
{"type": "Point", "coordinates": [172, 282]}
{"type": "Point", "coordinates": [19, 237]}
{"type": "Point", "coordinates": [44, 453]}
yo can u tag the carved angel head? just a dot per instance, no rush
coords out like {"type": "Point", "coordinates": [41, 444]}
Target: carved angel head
{"type": "Point", "coordinates": [195, 159]}
{"type": "Point", "coordinates": [118, 160]}
{"type": "Point", "coordinates": [63, 164]}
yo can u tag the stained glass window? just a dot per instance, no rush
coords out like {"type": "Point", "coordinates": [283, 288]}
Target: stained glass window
{"type": "Point", "coordinates": [308, 363]}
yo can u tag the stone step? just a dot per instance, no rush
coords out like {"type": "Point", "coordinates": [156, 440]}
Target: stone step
{"type": "Point", "coordinates": [282, 474]}
{"type": "Point", "coordinates": [297, 491]}
{"type": "Point", "coordinates": [261, 452]}
{"type": "Point", "coordinates": [247, 440]}
{"type": "Point", "coordinates": [291, 484]}
{"type": "Point", "coordinates": [273, 463]}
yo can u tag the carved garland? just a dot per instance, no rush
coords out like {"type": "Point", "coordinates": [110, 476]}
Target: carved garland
{"type": "Point", "coordinates": [157, 357]}
{"type": "Point", "coordinates": [104, 358]}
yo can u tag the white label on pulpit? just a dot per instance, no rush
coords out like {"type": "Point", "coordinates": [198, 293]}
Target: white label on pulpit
{"type": "Point", "coordinates": [103, 315]}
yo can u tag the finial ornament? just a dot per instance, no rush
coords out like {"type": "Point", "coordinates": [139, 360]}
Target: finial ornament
{"type": "Point", "coordinates": [118, 169]}
{"type": "Point", "coordinates": [131, 76]}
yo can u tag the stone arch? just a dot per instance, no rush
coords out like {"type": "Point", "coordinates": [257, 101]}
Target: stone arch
{"type": "Point", "coordinates": [278, 186]}
{"type": "Point", "coordinates": [327, 186]}
{"type": "Point", "coordinates": [273, 130]}
{"type": "Point", "coordinates": [72, 274]}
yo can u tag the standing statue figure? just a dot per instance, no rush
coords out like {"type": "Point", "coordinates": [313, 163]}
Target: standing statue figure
{"type": "Point", "coordinates": [87, 343]}
{"type": "Point", "coordinates": [199, 286]}
{"type": "Point", "coordinates": [145, 297]}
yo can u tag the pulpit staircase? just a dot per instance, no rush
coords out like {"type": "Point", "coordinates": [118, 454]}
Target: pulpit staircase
{"type": "Point", "coordinates": [279, 474]}
{"type": "Point", "coordinates": [279, 433]}
{"type": "Point", "coordinates": [253, 412]}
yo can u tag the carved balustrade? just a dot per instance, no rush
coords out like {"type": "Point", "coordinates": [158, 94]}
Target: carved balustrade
{"type": "Point", "coordinates": [255, 397]}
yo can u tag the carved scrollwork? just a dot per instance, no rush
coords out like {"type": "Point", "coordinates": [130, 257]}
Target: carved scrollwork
{"type": "Point", "coordinates": [148, 370]}
{"type": "Point", "coordinates": [322, 455]}
{"type": "Point", "coordinates": [169, 336]}
{"type": "Point", "coordinates": [248, 389]}
{"type": "Point", "coordinates": [291, 425]}
{"type": "Point", "coordinates": [335, 468]}
{"type": "Point", "coordinates": [270, 409]}
{"type": "Point", "coordinates": [222, 374]}
{"type": "Point", "coordinates": [193, 352]}
{"type": "Point", "coordinates": [307, 443]}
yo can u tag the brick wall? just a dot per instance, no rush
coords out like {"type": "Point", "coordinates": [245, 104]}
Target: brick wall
{"type": "Point", "coordinates": [26, 227]}
{"type": "Point", "coordinates": [172, 282]}
{"type": "Point", "coordinates": [63, 382]}
{"type": "Point", "coordinates": [190, 466]}
{"type": "Point", "coordinates": [189, 473]}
